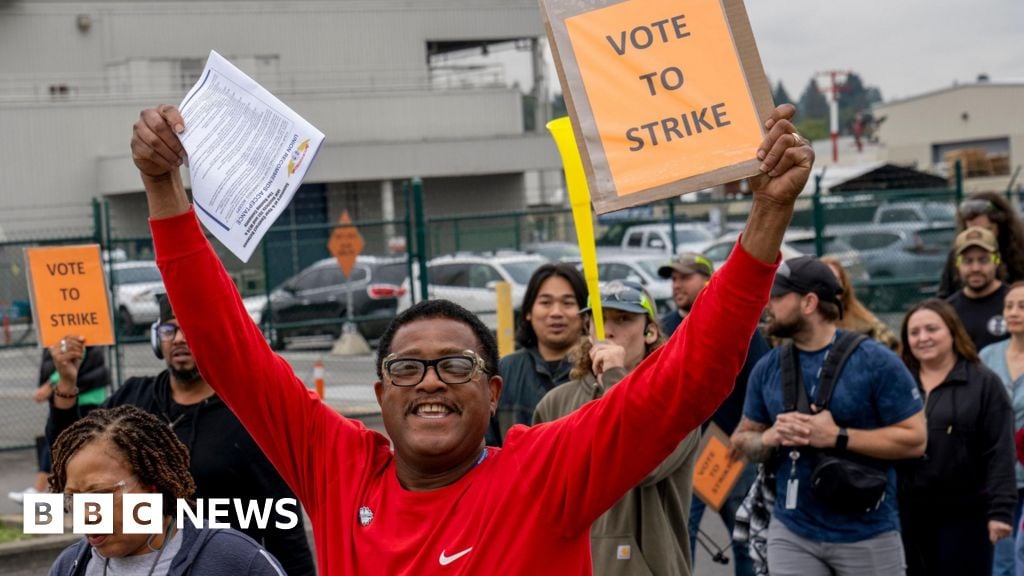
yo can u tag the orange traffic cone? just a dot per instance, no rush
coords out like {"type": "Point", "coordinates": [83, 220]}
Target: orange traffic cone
{"type": "Point", "coordinates": [318, 378]}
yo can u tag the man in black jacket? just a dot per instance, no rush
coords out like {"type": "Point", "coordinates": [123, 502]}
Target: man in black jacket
{"type": "Point", "coordinates": [225, 461]}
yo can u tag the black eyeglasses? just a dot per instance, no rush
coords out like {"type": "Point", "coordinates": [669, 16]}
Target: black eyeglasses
{"type": "Point", "coordinates": [457, 369]}
{"type": "Point", "coordinates": [167, 332]}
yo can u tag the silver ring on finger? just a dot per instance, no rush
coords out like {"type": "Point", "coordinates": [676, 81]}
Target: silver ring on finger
{"type": "Point", "coordinates": [800, 141]}
{"type": "Point", "coordinates": [63, 347]}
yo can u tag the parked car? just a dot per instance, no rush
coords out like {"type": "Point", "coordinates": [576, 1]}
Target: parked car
{"type": "Point", "coordinates": [315, 301]}
{"type": "Point", "coordinates": [655, 237]}
{"type": "Point", "coordinates": [918, 213]}
{"type": "Point", "coordinates": [135, 284]}
{"type": "Point", "coordinates": [804, 242]}
{"type": "Point", "coordinates": [895, 257]}
{"type": "Point", "coordinates": [639, 268]}
{"type": "Point", "coordinates": [470, 279]}
{"type": "Point", "coordinates": [718, 252]}
{"type": "Point", "coordinates": [554, 251]}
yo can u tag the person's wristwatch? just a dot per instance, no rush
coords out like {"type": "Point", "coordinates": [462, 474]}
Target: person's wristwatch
{"type": "Point", "coordinates": [842, 439]}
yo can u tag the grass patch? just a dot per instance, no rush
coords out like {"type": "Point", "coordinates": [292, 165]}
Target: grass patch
{"type": "Point", "coordinates": [8, 534]}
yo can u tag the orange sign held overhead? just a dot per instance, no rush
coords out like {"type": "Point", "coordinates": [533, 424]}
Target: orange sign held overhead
{"type": "Point", "coordinates": [716, 472]}
{"type": "Point", "coordinates": [69, 294]}
{"type": "Point", "coordinates": [345, 244]}
{"type": "Point", "coordinates": [665, 97]}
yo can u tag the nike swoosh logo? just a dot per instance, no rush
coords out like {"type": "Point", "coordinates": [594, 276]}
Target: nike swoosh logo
{"type": "Point", "coordinates": [446, 560]}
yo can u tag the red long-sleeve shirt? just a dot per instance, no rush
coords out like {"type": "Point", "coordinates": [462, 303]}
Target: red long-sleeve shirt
{"type": "Point", "coordinates": [527, 508]}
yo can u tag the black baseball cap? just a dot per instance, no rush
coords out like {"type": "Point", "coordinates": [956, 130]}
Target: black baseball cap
{"type": "Point", "coordinates": [807, 274]}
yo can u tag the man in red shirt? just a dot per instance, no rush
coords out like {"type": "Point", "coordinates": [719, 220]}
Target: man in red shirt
{"type": "Point", "coordinates": [441, 501]}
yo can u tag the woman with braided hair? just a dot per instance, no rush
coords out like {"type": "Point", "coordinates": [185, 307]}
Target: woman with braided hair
{"type": "Point", "coordinates": [126, 450]}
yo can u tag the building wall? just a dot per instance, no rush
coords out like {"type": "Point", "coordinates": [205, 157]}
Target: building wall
{"type": "Point", "coordinates": [357, 69]}
{"type": "Point", "coordinates": [967, 113]}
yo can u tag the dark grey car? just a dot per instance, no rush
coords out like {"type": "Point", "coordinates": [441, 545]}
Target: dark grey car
{"type": "Point", "coordinates": [315, 301]}
{"type": "Point", "coordinates": [904, 263]}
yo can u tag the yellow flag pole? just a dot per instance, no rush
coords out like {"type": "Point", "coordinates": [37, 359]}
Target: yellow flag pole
{"type": "Point", "coordinates": [579, 199]}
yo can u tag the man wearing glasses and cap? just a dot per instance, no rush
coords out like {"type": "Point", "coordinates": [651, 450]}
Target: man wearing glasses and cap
{"type": "Point", "coordinates": [433, 497]}
{"type": "Point", "coordinates": [979, 303]}
{"type": "Point", "coordinates": [224, 460]}
{"type": "Point", "coordinates": [689, 273]}
{"type": "Point", "coordinates": [874, 416]}
{"type": "Point", "coordinates": [646, 531]}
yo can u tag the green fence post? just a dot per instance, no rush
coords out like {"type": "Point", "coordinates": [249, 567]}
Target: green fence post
{"type": "Point", "coordinates": [421, 236]}
{"type": "Point", "coordinates": [958, 169]}
{"type": "Point", "coordinates": [518, 242]}
{"type": "Point", "coordinates": [818, 215]}
{"type": "Point", "coordinates": [672, 226]}
{"type": "Point", "coordinates": [97, 223]}
{"type": "Point", "coordinates": [407, 193]}
{"type": "Point", "coordinates": [456, 232]}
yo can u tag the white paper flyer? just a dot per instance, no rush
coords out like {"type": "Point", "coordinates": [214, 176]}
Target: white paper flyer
{"type": "Point", "coordinates": [247, 154]}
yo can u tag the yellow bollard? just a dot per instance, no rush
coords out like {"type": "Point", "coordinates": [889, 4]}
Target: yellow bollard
{"type": "Point", "coordinates": [506, 319]}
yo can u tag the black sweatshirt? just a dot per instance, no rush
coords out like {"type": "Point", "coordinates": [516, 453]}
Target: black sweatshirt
{"type": "Point", "coordinates": [225, 461]}
{"type": "Point", "coordinates": [968, 467]}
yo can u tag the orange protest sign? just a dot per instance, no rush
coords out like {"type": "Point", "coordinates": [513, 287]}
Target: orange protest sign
{"type": "Point", "coordinates": [715, 473]}
{"type": "Point", "coordinates": [665, 98]}
{"type": "Point", "coordinates": [69, 294]}
{"type": "Point", "coordinates": [345, 244]}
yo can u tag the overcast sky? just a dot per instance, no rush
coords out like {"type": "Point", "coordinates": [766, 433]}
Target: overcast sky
{"type": "Point", "coordinates": [903, 47]}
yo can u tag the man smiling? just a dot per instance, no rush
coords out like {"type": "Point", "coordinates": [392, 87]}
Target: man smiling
{"type": "Point", "coordinates": [442, 500]}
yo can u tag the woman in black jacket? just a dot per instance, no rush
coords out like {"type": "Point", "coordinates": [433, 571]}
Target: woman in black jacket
{"type": "Point", "coordinates": [958, 500]}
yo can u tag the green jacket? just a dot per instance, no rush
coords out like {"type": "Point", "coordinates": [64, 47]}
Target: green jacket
{"type": "Point", "coordinates": [645, 533]}
{"type": "Point", "coordinates": [527, 378]}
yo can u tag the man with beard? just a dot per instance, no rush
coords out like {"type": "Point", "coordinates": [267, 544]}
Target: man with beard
{"type": "Point", "coordinates": [874, 416]}
{"type": "Point", "coordinates": [980, 302]}
{"type": "Point", "coordinates": [225, 462]}
{"type": "Point", "coordinates": [690, 272]}
{"type": "Point", "coordinates": [549, 326]}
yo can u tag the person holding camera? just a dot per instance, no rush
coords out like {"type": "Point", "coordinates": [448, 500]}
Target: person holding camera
{"type": "Point", "coordinates": [828, 413]}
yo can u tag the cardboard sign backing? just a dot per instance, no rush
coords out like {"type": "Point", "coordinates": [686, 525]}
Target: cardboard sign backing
{"type": "Point", "coordinates": [666, 97]}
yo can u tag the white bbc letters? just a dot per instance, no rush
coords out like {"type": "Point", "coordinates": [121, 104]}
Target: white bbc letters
{"type": "Point", "coordinates": [92, 514]}
{"type": "Point", "coordinates": [43, 514]}
{"type": "Point", "coordinates": [143, 513]}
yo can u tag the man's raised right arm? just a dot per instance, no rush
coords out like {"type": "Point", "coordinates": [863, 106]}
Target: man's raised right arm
{"type": "Point", "coordinates": [287, 420]}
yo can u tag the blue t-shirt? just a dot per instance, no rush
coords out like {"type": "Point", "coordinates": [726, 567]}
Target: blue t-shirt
{"type": "Point", "coordinates": [874, 390]}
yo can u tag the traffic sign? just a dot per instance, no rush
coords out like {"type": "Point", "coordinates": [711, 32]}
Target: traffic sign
{"type": "Point", "coordinates": [345, 244]}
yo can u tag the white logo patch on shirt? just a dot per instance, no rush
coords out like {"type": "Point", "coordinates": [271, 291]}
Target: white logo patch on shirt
{"type": "Point", "coordinates": [996, 326]}
{"type": "Point", "coordinates": [446, 560]}
{"type": "Point", "coordinates": [365, 515]}
{"type": "Point", "coordinates": [624, 552]}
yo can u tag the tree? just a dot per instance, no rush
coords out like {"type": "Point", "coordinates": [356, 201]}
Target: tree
{"type": "Point", "coordinates": [780, 95]}
{"type": "Point", "coordinates": [812, 103]}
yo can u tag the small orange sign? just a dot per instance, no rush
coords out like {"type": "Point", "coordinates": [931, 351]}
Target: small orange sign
{"type": "Point", "coordinates": [69, 294]}
{"type": "Point", "coordinates": [345, 244]}
{"type": "Point", "coordinates": [716, 472]}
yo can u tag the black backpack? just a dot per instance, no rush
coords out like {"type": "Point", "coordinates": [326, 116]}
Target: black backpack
{"type": "Point", "coordinates": [843, 481]}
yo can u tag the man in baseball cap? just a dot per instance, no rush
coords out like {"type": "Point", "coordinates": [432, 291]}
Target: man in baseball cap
{"type": "Point", "coordinates": [808, 275]}
{"type": "Point", "coordinates": [979, 303]}
{"type": "Point", "coordinates": [689, 273]}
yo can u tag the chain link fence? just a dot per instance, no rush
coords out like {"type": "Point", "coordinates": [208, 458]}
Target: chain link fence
{"type": "Point", "coordinates": [894, 243]}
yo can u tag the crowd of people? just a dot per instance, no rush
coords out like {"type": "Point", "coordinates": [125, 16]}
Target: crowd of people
{"type": "Point", "coordinates": [863, 451]}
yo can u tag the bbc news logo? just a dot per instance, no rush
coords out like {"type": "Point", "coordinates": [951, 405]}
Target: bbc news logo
{"type": "Point", "coordinates": [143, 513]}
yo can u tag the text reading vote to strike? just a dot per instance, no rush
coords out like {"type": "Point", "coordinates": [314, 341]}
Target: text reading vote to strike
{"type": "Point", "coordinates": [644, 36]}
{"type": "Point", "coordinates": [66, 269]}
{"type": "Point", "coordinates": [689, 123]}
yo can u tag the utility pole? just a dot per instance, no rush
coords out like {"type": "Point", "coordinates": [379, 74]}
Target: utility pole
{"type": "Point", "coordinates": [837, 79]}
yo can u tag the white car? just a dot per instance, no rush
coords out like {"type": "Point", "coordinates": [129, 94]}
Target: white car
{"type": "Point", "coordinates": [655, 237]}
{"type": "Point", "coordinates": [719, 251]}
{"type": "Point", "coordinates": [136, 284]}
{"type": "Point", "coordinates": [639, 268]}
{"type": "Point", "coordinates": [470, 280]}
